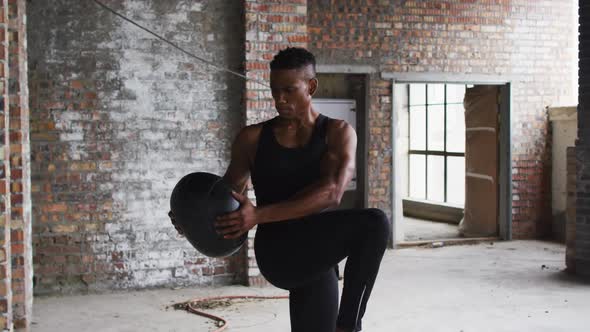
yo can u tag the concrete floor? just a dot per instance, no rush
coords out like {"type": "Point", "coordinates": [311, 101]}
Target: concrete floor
{"type": "Point", "coordinates": [422, 230]}
{"type": "Point", "coordinates": [502, 286]}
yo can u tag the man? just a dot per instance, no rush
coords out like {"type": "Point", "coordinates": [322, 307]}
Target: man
{"type": "Point", "coordinates": [300, 163]}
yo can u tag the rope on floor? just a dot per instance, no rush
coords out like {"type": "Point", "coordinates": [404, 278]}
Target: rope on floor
{"type": "Point", "coordinates": [220, 322]}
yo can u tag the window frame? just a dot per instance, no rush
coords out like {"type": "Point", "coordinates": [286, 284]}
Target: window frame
{"type": "Point", "coordinates": [444, 153]}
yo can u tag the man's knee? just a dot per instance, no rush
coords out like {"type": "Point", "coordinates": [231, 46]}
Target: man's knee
{"type": "Point", "coordinates": [378, 222]}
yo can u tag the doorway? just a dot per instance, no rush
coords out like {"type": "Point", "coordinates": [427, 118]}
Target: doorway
{"type": "Point", "coordinates": [452, 176]}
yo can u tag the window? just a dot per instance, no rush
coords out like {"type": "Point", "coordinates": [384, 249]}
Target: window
{"type": "Point", "coordinates": [437, 142]}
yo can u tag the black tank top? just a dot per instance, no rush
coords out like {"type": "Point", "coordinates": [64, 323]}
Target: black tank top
{"type": "Point", "coordinates": [280, 172]}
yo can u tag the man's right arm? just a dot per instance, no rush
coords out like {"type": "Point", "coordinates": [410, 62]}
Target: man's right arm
{"type": "Point", "coordinates": [238, 171]}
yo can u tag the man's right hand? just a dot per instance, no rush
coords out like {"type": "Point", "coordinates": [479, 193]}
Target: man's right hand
{"type": "Point", "coordinates": [173, 220]}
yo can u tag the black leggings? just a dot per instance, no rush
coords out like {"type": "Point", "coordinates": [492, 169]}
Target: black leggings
{"type": "Point", "coordinates": [301, 255]}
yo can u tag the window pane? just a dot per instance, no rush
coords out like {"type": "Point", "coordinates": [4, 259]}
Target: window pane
{"type": "Point", "coordinates": [436, 128]}
{"type": "Point", "coordinates": [455, 93]}
{"type": "Point", "coordinates": [417, 94]}
{"type": "Point", "coordinates": [436, 93]}
{"type": "Point", "coordinates": [418, 176]}
{"type": "Point", "coordinates": [455, 128]}
{"type": "Point", "coordinates": [417, 128]}
{"type": "Point", "coordinates": [456, 180]}
{"type": "Point", "coordinates": [436, 178]}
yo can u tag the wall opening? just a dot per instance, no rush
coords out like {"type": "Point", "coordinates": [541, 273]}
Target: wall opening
{"type": "Point", "coordinates": [433, 159]}
{"type": "Point", "coordinates": [451, 161]}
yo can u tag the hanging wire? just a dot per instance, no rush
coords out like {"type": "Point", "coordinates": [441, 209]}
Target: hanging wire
{"type": "Point", "coordinates": [210, 63]}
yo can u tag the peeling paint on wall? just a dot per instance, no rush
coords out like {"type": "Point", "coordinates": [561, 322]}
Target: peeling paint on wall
{"type": "Point", "coordinates": [120, 117]}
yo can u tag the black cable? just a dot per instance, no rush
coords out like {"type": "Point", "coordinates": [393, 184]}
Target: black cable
{"type": "Point", "coordinates": [107, 8]}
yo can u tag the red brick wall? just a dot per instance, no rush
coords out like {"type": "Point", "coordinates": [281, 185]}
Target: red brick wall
{"type": "Point", "coordinates": [379, 142]}
{"type": "Point", "coordinates": [5, 250]}
{"type": "Point", "coordinates": [15, 217]}
{"type": "Point", "coordinates": [20, 184]}
{"type": "Point", "coordinates": [528, 42]}
{"type": "Point", "coordinates": [270, 27]}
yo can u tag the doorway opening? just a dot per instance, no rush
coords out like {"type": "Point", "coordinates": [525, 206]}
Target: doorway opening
{"type": "Point", "coordinates": [451, 161]}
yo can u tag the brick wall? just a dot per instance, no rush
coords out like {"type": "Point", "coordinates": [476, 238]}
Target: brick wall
{"type": "Point", "coordinates": [526, 41]}
{"type": "Point", "coordinates": [15, 197]}
{"type": "Point", "coordinates": [582, 251]}
{"type": "Point", "coordinates": [5, 245]}
{"type": "Point", "coordinates": [117, 118]}
{"type": "Point", "coordinates": [20, 165]}
{"type": "Point", "coordinates": [270, 27]}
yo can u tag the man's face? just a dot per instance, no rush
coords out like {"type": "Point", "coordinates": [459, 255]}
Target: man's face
{"type": "Point", "coordinates": [292, 90]}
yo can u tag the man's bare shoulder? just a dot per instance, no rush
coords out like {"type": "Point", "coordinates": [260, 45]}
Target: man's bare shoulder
{"type": "Point", "coordinates": [244, 147]}
{"type": "Point", "coordinates": [338, 130]}
{"type": "Point", "coordinates": [249, 134]}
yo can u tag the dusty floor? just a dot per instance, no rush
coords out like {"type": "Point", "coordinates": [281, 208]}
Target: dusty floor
{"type": "Point", "coordinates": [504, 286]}
{"type": "Point", "coordinates": [420, 230]}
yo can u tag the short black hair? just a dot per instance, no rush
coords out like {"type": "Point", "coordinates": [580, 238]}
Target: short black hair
{"type": "Point", "coordinates": [293, 58]}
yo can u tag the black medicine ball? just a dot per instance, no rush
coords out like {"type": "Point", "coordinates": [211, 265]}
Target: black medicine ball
{"type": "Point", "coordinates": [197, 199]}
